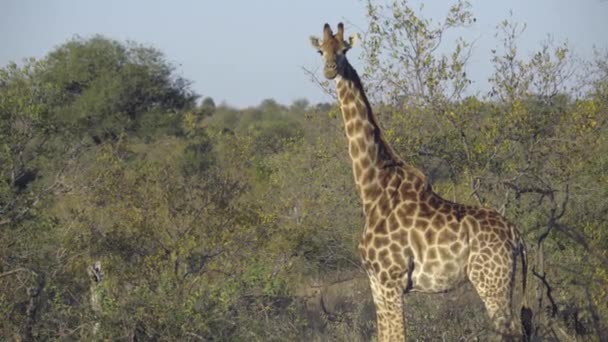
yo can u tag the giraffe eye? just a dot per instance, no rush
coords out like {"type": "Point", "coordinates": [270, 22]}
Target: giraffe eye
{"type": "Point", "coordinates": [320, 52]}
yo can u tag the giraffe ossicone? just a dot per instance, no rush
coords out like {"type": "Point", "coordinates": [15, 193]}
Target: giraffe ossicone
{"type": "Point", "coordinates": [414, 240]}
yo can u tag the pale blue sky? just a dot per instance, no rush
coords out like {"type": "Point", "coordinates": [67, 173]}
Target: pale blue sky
{"type": "Point", "coordinates": [244, 51]}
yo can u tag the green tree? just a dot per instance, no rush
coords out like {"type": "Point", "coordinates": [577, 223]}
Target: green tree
{"type": "Point", "coordinates": [108, 86]}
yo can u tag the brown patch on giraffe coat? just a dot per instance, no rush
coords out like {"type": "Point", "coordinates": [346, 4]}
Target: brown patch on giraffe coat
{"type": "Point", "coordinates": [394, 198]}
{"type": "Point", "coordinates": [502, 234]}
{"type": "Point", "coordinates": [350, 129]}
{"type": "Point", "coordinates": [454, 226]}
{"type": "Point", "coordinates": [381, 228]}
{"type": "Point", "coordinates": [395, 248]}
{"type": "Point", "coordinates": [381, 241]}
{"type": "Point", "coordinates": [394, 271]}
{"type": "Point", "coordinates": [368, 239]}
{"type": "Point", "coordinates": [407, 209]}
{"type": "Point", "coordinates": [480, 214]}
{"type": "Point", "coordinates": [421, 224]}
{"type": "Point", "coordinates": [358, 125]}
{"type": "Point", "coordinates": [418, 184]}
{"type": "Point", "coordinates": [346, 113]}
{"type": "Point", "coordinates": [446, 237]}
{"type": "Point", "coordinates": [384, 204]}
{"type": "Point", "coordinates": [372, 218]}
{"type": "Point", "coordinates": [362, 143]}
{"type": "Point", "coordinates": [434, 202]}
{"type": "Point", "coordinates": [460, 211]}
{"type": "Point", "coordinates": [349, 98]}
{"type": "Point", "coordinates": [354, 150]}
{"type": "Point", "coordinates": [409, 195]}
{"type": "Point", "coordinates": [368, 176]}
{"type": "Point", "coordinates": [365, 162]}
{"type": "Point", "coordinates": [406, 185]}
{"type": "Point", "coordinates": [411, 176]}
{"type": "Point", "coordinates": [372, 191]}
{"type": "Point", "coordinates": [406, 221]}
{"type": "Point", "coordinates": [396, 181]}
{"type": "Point", "coordinates": [341, 91]}
{"type": "Point", "coordinates": [383, 277]}
{"type": "Point", "coordinates": [393, 223]}
{"type": "Point", "coordinates": [384, 258]}
{"type": "Point", "coordinates": [438, 221]}
{"type": "Point", "coordinates": [386, 262]}
{"type": "Point", "coordinates": [399, 260]}
{"type": "Point", "coordinates": [400, 237]}
{"type": "Point", "coordinates": [424, 196]}
{"type": "Point", "coordinates": [425, 211]}
{"type": "Point", "coordinates": [386, 177]}
{"type": "Point", "coordinates": [429, 236]}
{"type": "Point", "coordinates": [371, 254]}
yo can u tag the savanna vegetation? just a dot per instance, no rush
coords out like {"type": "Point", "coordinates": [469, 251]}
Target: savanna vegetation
{"type": "Point", "coordinates": [132, 209]}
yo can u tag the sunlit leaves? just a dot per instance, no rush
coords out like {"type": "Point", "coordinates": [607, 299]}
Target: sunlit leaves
{"type": "Point", "coordinates": [403, 62]}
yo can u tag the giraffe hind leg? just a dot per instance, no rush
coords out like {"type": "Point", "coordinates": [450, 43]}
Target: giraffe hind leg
{"type": "Point", "coordinates": [494, 284]}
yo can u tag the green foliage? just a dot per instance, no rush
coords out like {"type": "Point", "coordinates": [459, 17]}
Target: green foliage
{"type": "Point", "coordinates": [403, 63]}
{"type": "Point", "coordinates": [108, 87]}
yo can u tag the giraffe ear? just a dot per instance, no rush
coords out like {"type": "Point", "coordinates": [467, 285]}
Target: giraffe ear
{"type": "Point", "coordinates": [315, 42]}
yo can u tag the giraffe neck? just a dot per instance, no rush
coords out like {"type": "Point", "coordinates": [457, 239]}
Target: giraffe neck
{"type": "Point", "coordinates": [371, 155]}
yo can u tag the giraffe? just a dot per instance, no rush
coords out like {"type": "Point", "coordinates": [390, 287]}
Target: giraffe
{"type": "Point", "coordinates": [414, 240]}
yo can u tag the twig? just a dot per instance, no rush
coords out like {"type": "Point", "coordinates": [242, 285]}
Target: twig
{"type": "Point", "coordinates": [17, 270]}
{"type": "Point", "coordinates": [543, 278]}
{"type": "Point", "coordinates": [195, 335]}
{"type": "Point", "coordinates": [323, 84]}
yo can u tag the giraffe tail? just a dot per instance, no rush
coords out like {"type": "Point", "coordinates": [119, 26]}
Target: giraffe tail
{"type": "Point", "coordinates": [526, 312]}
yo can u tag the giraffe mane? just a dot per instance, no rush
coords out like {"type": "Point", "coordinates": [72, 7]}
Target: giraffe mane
{"type": "Point", "coordinates": [351, 74]}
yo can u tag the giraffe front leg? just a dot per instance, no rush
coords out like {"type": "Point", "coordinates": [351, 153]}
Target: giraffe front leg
{"type": "Point", "coordinates": [389, 311]}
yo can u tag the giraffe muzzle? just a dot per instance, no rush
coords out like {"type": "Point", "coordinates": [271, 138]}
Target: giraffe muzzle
{"type": "Point", "coordinates": [330, 72]}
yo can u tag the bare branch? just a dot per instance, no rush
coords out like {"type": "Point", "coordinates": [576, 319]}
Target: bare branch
{"type": "Point", "coordinates": [324, 85]}
{"type": "Point", "coordinates": [17, 270]}
{"type": "Point", "coordinates": [543, 279]}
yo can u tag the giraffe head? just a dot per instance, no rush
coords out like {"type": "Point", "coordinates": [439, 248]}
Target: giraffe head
{"type": "Point", "coordinates": [333, 48]}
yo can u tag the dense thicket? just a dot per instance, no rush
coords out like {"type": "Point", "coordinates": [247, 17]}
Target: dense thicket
{"type": "Point", "coordinates": [128, 210]}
